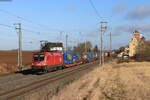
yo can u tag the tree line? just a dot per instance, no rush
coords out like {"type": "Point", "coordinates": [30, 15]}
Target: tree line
{"type": "Point", "coordinates": [84, 47]}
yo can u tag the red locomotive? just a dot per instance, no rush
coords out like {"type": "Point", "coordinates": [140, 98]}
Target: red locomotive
{"type": "Point", "coordinates": [45, 61]}
{"type": "Point", "coordinates": [49, 58]}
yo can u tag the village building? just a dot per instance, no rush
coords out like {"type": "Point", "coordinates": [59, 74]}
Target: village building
{"type": "Point", "coordinates": [136, 44]}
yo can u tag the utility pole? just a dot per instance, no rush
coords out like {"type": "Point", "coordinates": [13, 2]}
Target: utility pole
{"type": "Point", "coordinates": [110, 41]}
{"type": "Point", "coordinates": [19, 30]}
{"type": "Point", "coordinates": [79, 38]}
{"type": "Point", "coordinates": [110, 52]}
{"type": "Point", "coordinates": [61, 36]}
{"type": "Point", "coordinates": [85, 46]}
{"type": "Point", "coordinates": [66, 42]}
{"type": "Point", "coordinates": [102, 30]}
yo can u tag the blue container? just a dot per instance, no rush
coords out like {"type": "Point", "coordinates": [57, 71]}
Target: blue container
{"type": "Point", "coordinates": [68, 57]}
{"type": "Point", "coordinates": [76, 57]}
{"type": "Point", "coordinates": [90, 55]}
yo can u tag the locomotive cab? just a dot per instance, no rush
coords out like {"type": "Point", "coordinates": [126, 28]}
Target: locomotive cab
{"type": "Point", "coordinates": [38, 62]}
{"type": "Point", "coordinates": [38, 57]}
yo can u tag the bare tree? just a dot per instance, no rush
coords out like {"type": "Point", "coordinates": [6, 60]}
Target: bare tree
{"type": "Point", "coordinates": [83, 47]}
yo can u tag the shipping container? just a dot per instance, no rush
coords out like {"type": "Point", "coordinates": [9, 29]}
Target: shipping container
{"type": "Point", "coordinates": [68, 59]}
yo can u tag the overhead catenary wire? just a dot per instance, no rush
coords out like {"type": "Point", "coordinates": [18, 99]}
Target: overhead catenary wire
{"type": "Point", "coordinates": [95, 9]}
{"type": "Point", "coordinates": [12, 27]}
{"type": "Point", "coordinates": [29, 21]}
{"type": "Point", "coordinates": [46, 27]}
{"type": "Point", "coordinates": [23, 29]}
{"type": "Point", "coordinates": [8, 26]}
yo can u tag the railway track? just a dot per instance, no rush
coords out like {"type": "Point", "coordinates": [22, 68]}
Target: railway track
{"type": "Point", "coordinates": [9, 95]}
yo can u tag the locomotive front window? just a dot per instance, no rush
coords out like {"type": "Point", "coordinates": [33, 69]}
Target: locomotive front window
{"type": "Point", "coordinates": [41, 58]}
{"type": "Point", "coordinates": [38, 57]}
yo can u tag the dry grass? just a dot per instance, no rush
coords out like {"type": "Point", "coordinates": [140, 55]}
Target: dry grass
{"type": "Point", "coordinates": [6, 68]}
{"type": "Point", "coordinates": [126, 81]}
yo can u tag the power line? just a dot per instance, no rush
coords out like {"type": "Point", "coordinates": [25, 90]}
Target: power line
{"type": "Point", "coordinates": [9, 13]}
{"type": "Point", "coordinates": [23, 29]}
{"type": "Point", "coordinates": [30, 21]}
{"type": "Point", "coordinates": [66, 42]}
{"type": "Point", "coordinates": [33, 23]}
{"type": "Point", "coordinates": [95, 10]}
{"type": "Point", "coordinates": [8, 26]}
{"type": "Point", "coordinates": [27, 20]}
{"type": "Point", "coordinates": [27, 30]}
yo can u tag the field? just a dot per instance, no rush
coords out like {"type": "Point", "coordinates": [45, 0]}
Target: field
{"type": "Point", "coordinates": [125, 81]}
{"type": "Point", "coordinates": [8, 60]}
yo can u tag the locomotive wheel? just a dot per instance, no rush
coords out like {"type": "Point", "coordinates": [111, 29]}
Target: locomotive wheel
{"type": "Point", "coordinates": [60, 67]}
{"type": "Point", "coordinates": [63, 67]}
{"type": "Point", "coordinates": [46, 70]}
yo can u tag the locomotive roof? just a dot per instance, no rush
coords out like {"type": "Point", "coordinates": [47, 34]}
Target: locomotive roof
{"type": "Point", "coordinates": [51, 44]}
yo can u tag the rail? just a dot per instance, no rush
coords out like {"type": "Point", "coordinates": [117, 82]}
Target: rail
{"type": "Point", "coordinates": [22, 90]}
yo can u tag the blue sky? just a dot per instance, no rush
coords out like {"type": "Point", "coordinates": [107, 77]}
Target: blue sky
{"type": "Point", "coordinates": [73, 17]}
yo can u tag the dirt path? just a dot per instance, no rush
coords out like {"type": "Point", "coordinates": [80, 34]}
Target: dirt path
{"type": "Point", "coordinates": [126, 81]}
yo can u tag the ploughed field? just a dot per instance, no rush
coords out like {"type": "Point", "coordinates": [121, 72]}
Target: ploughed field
{"type": "Point", "coordinates": [8, 60]}
{"type": "Point", "coordinates": [125, 81]}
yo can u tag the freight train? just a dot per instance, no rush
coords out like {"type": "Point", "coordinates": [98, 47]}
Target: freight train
{"type": "Point", "coordinates": [52, 57]}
